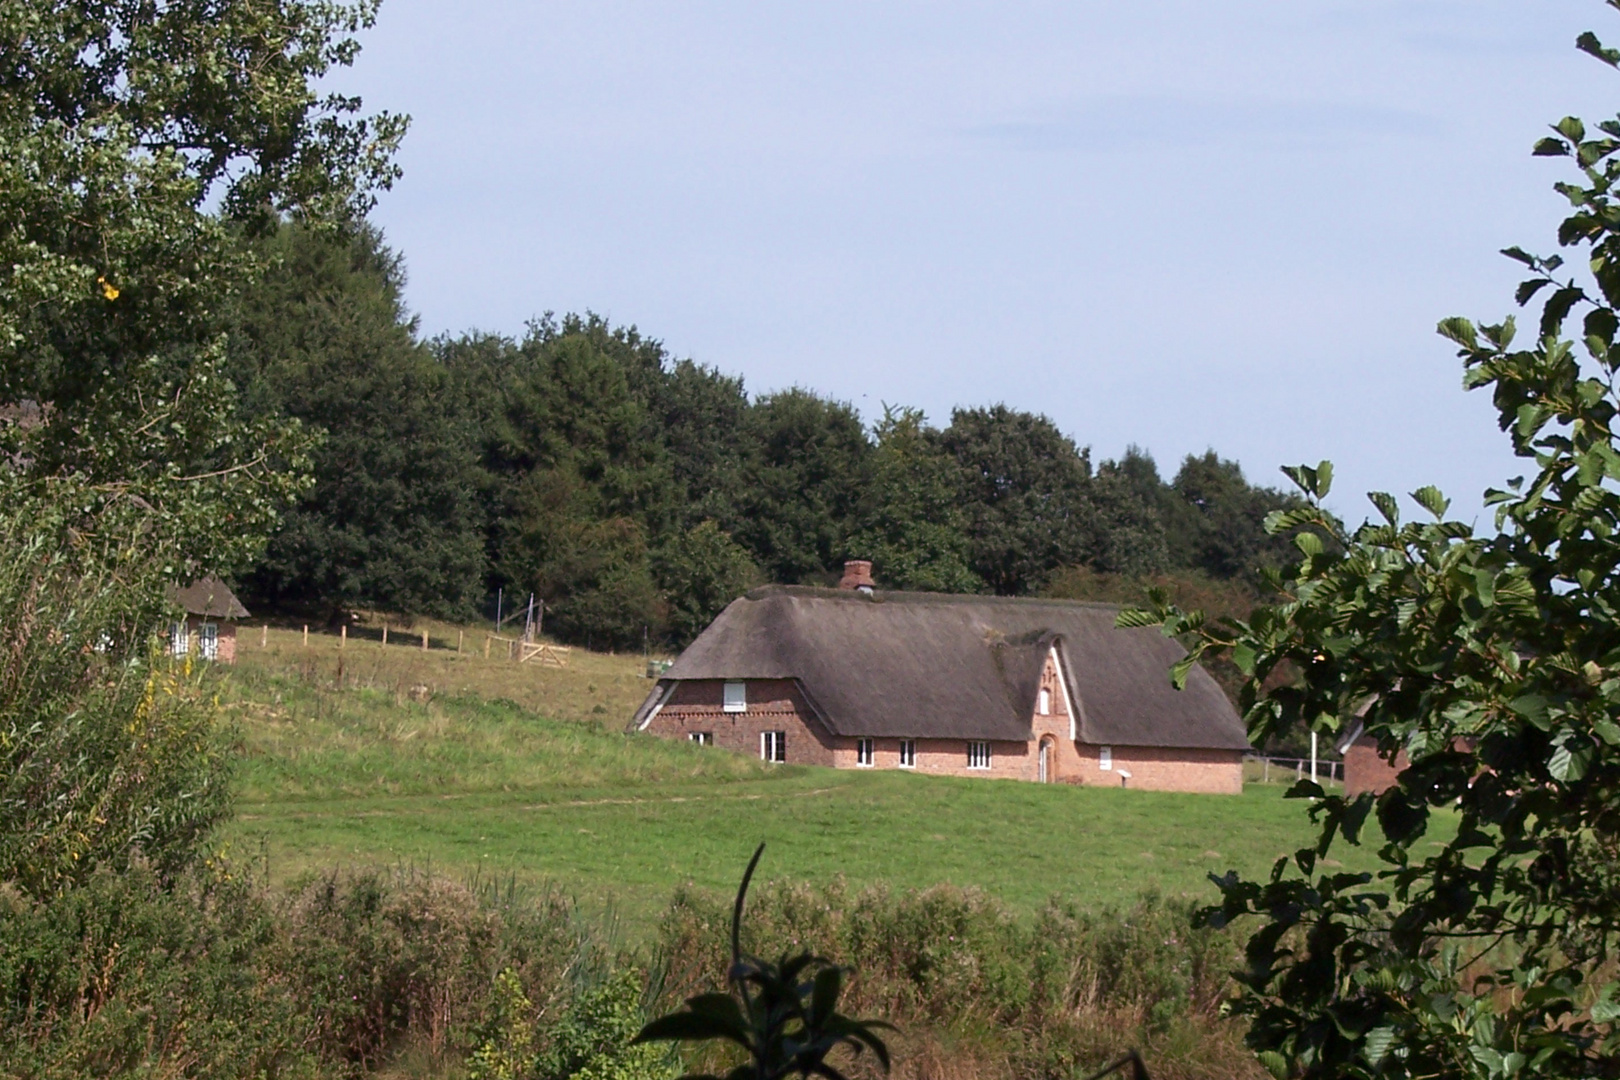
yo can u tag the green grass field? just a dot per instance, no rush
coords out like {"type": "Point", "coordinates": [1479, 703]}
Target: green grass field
{"type": "Point", "coordinates": [344, 769]}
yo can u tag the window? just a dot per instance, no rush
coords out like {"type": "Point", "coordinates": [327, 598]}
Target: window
{"type": "Point", "coordinates": [734, 698]}
{"type": "Point", "coordinates": [978, 755]}
{"type": "Point", "coordinates": [1105, 757]}
{"type": "Point", "coordinates": [208, 641]}
{"type": "Point", "coordinates": [702, 738]}
{"type": "Point", "coordinates": [908, 753]}
{"type": "Point", "coordinates": [179, 639]}
{"type": "Point", "coordinates": [773, 745]}
{"type": "Point", "coordinates": [1043, 703]}
{"type": "Point", "coordinates": [863, 752]}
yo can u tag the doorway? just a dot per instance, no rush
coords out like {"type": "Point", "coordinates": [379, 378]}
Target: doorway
{"type": "Point", "coordinates": [1044, 761]}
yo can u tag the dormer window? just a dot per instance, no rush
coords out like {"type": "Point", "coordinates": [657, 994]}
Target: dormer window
{"type": "Point", "coordinates": [734, 697]}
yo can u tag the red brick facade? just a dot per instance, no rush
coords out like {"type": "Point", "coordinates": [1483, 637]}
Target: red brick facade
{"type": "Point", "coordinates": [1364, 770]}
{"type": "Point", "coordinates": [697, 706]}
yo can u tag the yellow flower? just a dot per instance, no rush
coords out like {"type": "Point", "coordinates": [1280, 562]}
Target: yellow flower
{"type": "Point", "coordinates": [109, 290]}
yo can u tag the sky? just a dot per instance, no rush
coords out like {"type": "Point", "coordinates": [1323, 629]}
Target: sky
{"type": "Point", "coordinates": [1181, 226]}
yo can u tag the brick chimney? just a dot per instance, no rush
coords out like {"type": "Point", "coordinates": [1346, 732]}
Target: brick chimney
{"type": "Point", "coordinates": [858, 575]}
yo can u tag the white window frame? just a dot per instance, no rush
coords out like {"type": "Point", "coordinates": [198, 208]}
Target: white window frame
{"type": "Point", "coordinates": [734, 697]}
{"type": "Point", "coordinates": [208, 641]}
{"type": "Point", "coordinates": [1043, 702]}
{"type": "Point", "coordinates": [180, 638]}
{"type": "Point", "coordinates": [978, 754]}
{"type": "Point", "coordinates": [865, 752]}
{"type": "Point", "coordinates": [701, 738]}
{"type": "Point", "coordinates": [908, 753]}
{"type": "Point", "coordinates": [773, 746]}
{"type": "Point", "coordinates": [1105, 758]}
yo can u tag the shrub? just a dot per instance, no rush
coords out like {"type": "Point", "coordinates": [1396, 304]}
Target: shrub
{"type": "Point", "coordinates": [109, 754]}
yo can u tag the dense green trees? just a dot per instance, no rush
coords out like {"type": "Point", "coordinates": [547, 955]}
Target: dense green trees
{"type": "Point", "coordinates": [637, 495]}
{"type": "Point", "coordinates": [123, 126]}
{"type": "Point", "coordinates": [391, 520]}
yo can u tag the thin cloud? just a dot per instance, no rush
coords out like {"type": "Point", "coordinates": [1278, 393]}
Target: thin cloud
{"type": "Point", "coordinates": [1106, 124]}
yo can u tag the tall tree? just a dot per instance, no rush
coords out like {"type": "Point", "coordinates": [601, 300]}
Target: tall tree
{"type": "Point", "coordinates": [700, 570]}
{"type": "Point", "coordinates": [578, 479]}
{"type": "Point", "coordinates": [1217, 519]}
{"type": "Point", "coordinates": [803, 483]}
{"type": "Point", "coordinates": [392, 519]}
{"type": "Point", "coordinates": [910, 521]}
{"type": "Point", "coordinates": [1026, 488]}
{"type": "Point", "coordinates": [122, 124]}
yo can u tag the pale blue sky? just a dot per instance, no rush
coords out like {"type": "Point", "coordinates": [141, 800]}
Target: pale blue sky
{"type": "Point", "coordinates": [1180, 225]}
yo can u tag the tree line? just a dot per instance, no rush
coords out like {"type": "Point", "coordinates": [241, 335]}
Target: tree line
{"type": "Point", "coordinates": [637, 493]}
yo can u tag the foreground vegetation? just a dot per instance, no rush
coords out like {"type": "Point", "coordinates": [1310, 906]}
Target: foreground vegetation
{"type": "Point", "coordinates": [409, 974]}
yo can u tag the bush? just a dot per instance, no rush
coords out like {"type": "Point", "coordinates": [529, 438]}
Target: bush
{"type": "Point", "coordinates": [120, 975]}
{"type": "Point", "coordinates": [110, 754]}
{"type": "Point", "coordinates": [962, 978]}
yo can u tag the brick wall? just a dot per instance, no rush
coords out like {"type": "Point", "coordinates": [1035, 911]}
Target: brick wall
{"type": "Point", "coordinates": [776, 705]}
{"type": "Point", "coordinates": [1364, 770]}
{"type": "Point", "coordinates": [772, 705]}
{"type": "Point", "coordinates": [944, 757]}
{"type": "Point", "coordinates": [1154, 768]}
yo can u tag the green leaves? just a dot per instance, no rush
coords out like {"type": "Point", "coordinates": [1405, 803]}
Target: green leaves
{"type": "Point", "coordinates": [1315, 483]}
{"type": "Point", "coordinates": [785, 1022]}
{"type": "Point", "coordinates": [1485, 670]}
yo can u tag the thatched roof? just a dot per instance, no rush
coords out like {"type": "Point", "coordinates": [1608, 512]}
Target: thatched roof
{"type": "Point", "coordinates": [928, 665]}
{"type": "Point", "coordinates": [210, 598]}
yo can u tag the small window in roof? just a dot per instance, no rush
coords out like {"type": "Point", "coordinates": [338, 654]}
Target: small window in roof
{"type": "Point", "coordinates": [734, 697]}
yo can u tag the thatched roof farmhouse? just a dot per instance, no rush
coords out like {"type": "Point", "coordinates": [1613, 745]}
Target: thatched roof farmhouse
{"type": "Point", "coordinates": [1045, 690]}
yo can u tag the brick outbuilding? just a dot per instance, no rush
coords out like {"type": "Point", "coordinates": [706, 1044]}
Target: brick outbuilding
{"type": "Point", "coordinates": [1040, 690]}
{"type": "Point", "coordinates": [208, 628]}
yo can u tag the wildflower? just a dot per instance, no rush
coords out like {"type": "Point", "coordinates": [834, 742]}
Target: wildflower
{"type": "Point", "coordinates": [108, 289]}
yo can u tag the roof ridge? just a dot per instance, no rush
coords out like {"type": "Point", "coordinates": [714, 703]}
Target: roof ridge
{"type": "Point", "coordinates": [902, 596]}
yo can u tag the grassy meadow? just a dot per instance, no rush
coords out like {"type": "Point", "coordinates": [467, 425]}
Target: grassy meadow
{"type": "Point", "coordinates": [369, 755]}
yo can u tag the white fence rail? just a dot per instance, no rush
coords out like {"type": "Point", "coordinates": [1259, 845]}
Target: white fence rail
{"type": "Point", "coordinates": [1280, 767]}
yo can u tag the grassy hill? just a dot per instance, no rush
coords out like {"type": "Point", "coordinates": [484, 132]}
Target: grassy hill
{"type": "Point", "coordinates": [485, 767]}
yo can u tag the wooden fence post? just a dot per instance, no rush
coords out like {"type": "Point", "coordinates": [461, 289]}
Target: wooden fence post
{"type": "Point", "coordinates": [486, 646]}
{"type": "Point", "coordinates": [458, 642]}
{"type": "Point", "coordinates": [385, 633]}
{"type": "Point", "coordinates": [343, 635]}
{"type": "Point", "coordinates": [424, 641]}
{"type": "Point", "coordinates": [306, 635]}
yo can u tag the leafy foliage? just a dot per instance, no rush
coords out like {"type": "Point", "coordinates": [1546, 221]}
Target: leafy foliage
{"type": "Point", "coordinates": [121, 125]}
{"type": "Point", "coordinates": [783, 1015]}
{"type": "Point", "coordinates": [701, 570]}
{"type": "Point", "coordinates": [1493, 663]}
{"type": "Point", "coordinates": [910, 520]}
{"type": "Point", "coordinates": [111, 754]}
{"type": "Point", "coordinates": [392, 519]}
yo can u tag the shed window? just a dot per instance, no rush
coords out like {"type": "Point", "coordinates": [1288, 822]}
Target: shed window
{"type": "Point", "coordinates": [864, 752]}
{"type": "Point", "coordinates": [1043, 703]}
{"type": "Point", "coordinates": [208, 641]}
{"type": "Point", "coordinates": [734, 697]}
{"type": "Point", "coordinates": [908, 753]}
{"type": "Point", "coordinates": [978, 755]}
{"type": "Point", "coordinates": [773, 745]}
{"type": "Point", "coordinates": [1105, 757]}
{"type": "Point", "coordinates": [179, 639]}
{"type": "Point", "coordinates": [702, 738]}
